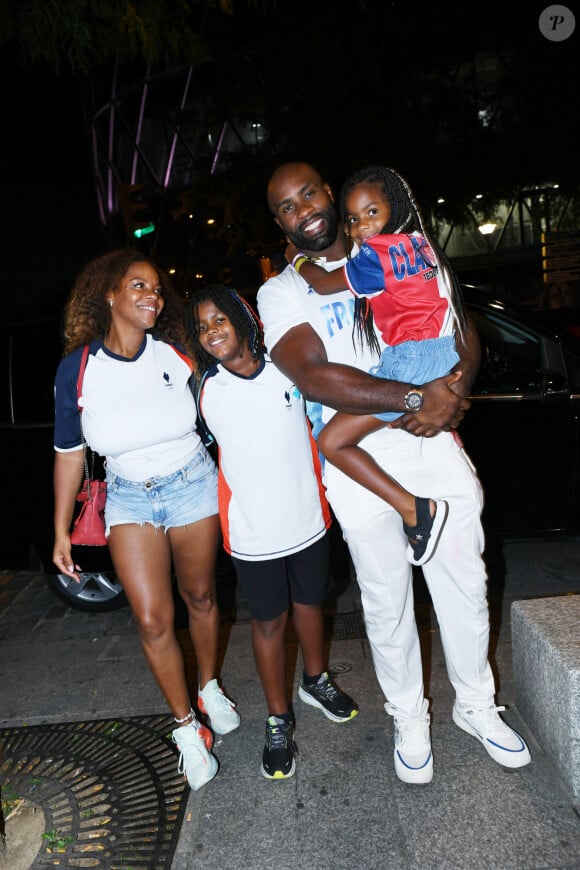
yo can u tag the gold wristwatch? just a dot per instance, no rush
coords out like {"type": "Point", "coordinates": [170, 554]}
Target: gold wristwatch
{"type": "Point", "coordinates": [413, 401]}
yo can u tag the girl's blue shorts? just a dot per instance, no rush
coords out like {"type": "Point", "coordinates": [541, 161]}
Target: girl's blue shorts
{"type": "Point", "coordinates": [416, 362]}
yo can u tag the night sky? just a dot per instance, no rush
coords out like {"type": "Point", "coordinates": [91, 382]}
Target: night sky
{"type": "Point", "coordinates": [49, 217]}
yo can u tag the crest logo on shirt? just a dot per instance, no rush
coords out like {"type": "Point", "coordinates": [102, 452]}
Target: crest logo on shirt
{"type": "Point", "coordinates": [291, 395]}
{"type": "Point", "coordinates": [167, 379]}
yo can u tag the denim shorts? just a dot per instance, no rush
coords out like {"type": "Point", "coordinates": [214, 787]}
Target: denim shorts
{"type": "Point", "coordinates": [416, 362]}
{"type": "Point", "coordinates": [186, 496]}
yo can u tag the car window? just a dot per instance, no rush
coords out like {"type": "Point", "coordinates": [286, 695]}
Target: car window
{"type": "Point", "coordinates": [33, 351]}
{"type": "Point", "coordinates": [572, 362]}
{"type": "Point", "coordinates": [511, 357]}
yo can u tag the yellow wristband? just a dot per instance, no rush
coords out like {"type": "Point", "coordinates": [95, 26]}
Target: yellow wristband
{"type": "Point", "coordinates": [297, 262]}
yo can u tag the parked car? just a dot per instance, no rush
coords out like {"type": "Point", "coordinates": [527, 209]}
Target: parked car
{"type": "Point", "coordinates": [523, 429]}
{"type": "Point", "coordinates": [30, 353]}
{"type": "Point", "coordinates": [522, 433]}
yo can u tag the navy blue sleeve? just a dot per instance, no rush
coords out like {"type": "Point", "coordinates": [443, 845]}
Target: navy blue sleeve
{"type": "Point", "coordinates": [364, 273]}
{"type": "Point", "coordinates": [67, 424]}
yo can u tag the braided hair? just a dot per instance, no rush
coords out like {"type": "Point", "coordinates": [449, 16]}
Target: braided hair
{"type": "Point", "coordinates": [242, 316]}
{"type": "Point", "coordinates": [405, 217]}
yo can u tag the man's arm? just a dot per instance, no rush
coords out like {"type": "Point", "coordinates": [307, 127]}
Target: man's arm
{"type": "Point", "coordinates": [301, 355]}
{"type": "Point", "coordinates": [469, 351]}
{"type": "Point", "coordinates": [323, 282]}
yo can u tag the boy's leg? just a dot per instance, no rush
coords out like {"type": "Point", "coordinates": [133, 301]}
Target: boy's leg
{"type": "Point", "coordinates": [309, 624]}
{"type": "Point", "coordinates": [270, 657]}
{"type": "Point", "coordinates": [269, 653]}
{"type": "Point", "coordinates": [316, 686]}
{"type": "Point", "coordinates": [266, 586]}
{"type": "Point", "coordinates": [309, 579]}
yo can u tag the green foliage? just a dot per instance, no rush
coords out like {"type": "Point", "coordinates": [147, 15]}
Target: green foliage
{"type": "Point", "coordinates": [9, 800]}
{"type": "Point", "coordinates": [77, 35]}
{"type": "Point", "coordinates": [55, 840]}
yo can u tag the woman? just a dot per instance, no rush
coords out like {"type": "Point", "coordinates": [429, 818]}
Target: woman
{"type": "Point", "coordinates": [139, 413]}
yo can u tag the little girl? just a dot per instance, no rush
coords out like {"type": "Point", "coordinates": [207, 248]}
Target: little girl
{"type": "Point", "coordinates": [403, 284]}
{"type": "Point", "coordinates": [273, 510]}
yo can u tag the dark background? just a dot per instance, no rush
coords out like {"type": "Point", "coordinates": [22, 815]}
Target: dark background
{"type": "Point", "coordinates": [342, 86]}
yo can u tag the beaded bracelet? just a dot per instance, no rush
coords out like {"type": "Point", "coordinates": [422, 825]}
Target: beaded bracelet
{"type": "Point", "coordinates": [299, 261]}
{"type": "Point", "coordinates": [190, 715]}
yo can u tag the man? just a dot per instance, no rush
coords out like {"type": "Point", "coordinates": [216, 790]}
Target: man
{"type": "Point", "coordinates": [310, 338]}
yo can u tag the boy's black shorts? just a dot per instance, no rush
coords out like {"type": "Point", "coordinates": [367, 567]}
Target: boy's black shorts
{"type": "Point", "coordinates": [271, 585]}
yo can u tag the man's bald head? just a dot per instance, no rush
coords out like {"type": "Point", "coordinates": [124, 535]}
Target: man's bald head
{"type": "Point", "coordinates": [288, 174]}
{"type": "Point", "coordinates": [303, 206]}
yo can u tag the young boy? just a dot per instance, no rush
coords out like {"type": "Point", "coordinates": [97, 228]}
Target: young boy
{"type": "Point", "coordinates": [273, 509]}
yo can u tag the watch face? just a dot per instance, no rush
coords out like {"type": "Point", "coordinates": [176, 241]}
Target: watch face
{"type": "Point", "coordinates": [414, 401]}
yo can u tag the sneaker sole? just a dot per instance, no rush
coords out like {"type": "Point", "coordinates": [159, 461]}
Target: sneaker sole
{"type": "Point", "coordinates": [506, 757]}
{"type": "Point", "coordinates": [414, 775]}
{"type": "Point", "coordinates": [279, 774]}
{"type": "Point", "coordinates": [436, 530]}
{"type": "Point", "coordinates": [308, 699]}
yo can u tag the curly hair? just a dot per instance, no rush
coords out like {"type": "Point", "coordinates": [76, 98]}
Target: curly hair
{"type": "Point", "coordinates": [88, 316]}
{"type": "Point", "coordinates": [405, 217]}
{"type": "Point", "coordinates": [242, 316]}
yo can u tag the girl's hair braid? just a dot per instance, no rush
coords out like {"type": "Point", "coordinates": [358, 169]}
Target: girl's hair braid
{"type": "Point", "coordinates": [405, 217]}
{"type": "Point", "coordinates": [243, 318]}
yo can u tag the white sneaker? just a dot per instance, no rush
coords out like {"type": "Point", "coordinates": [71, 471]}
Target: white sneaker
{"type": "Point", "coordinates": [413, 756]}
{"type": "Point", "coordinates": [196, 762]}
{"type": "Point", "coordinates": [502, 743]}
{"type": "Point", "coordinates": [221, 712]}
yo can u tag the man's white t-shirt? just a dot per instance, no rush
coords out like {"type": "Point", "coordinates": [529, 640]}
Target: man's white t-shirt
{"type": "Point", "coordinates": [286, 301]}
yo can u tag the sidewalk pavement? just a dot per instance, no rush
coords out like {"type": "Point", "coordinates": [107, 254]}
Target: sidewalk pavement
{"type": "Point", "coordinates": [344, 807]}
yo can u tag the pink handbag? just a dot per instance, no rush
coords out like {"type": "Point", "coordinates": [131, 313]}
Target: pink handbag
{"type": "Point", "coordinates": [89, 527]}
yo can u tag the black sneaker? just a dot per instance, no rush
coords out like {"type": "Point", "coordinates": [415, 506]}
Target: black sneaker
{"type": "Point", "coordinates": [333, 702]}
{"type": "Point", "coordinates": [278, 756]}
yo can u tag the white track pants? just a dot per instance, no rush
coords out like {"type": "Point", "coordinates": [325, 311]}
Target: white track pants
{"type": "Point", "coordinates": [436, 468]}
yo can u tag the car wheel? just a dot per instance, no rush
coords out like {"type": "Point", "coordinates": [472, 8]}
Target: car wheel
{"type": "Point", "coordinates": [97, 591]}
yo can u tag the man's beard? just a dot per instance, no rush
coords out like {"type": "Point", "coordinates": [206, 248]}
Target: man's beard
{"type": "Point", "coordinates": [305, 242]}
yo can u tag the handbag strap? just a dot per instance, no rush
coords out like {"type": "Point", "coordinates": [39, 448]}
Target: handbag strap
{"type": "Point", "coordinates": [84, 359]}
{"type": "Point", "coordinates": [83, 365]}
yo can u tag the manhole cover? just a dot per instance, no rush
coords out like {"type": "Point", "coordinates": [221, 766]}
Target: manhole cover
{"type": "Point", "coordinates": [335, 669]}
{"type": "Point", "coordinates": [347, 626]}
{"type": "Point", "coordinates": [109, 789]}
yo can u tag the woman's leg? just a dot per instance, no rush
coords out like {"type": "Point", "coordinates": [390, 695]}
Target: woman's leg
{"type": "Point", "coordinates": [270, 656]}
{"type": "Point", "coordinates": [142, 560]}
{"type": "Point", "coordinates": [194, 548]}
